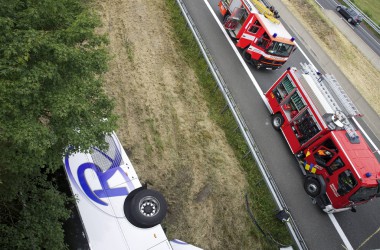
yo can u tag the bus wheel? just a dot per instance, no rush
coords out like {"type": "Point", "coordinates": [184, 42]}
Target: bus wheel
{"type": "Point", "coordinates": [147, 208]}
{"type": "Point", "coordinates": [247, 56]}
{"type": "Point", "coordinates": [277, 121]}
{"type": "Point", "coordinates": [312, 187]}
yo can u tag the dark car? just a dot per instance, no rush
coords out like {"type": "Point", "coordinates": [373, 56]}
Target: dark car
{"type": "Point", "coordinates": [351, 15]}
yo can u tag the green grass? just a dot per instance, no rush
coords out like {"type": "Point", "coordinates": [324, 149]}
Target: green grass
{"type": "Point", "coordinates": [370, 7]}
{"type": "Point", "coordinates": [260, 198]}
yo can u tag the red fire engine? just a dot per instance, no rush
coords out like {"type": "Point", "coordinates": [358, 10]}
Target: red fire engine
{"type": "Point", "coordinates": [264, 40]}
{"type": "Point", "coordinates": [313, 112]}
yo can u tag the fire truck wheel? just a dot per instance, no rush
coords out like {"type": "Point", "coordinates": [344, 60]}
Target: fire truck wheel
{"type": "Point", "coordinates": [338, 8]}
{"type": "Point", "coordinates": [277, 121]}
{"type": "Point", "coordinates": [147, 208]}
{"type": "Point", "coordinates": [312, 187]}
{"type": "Point", "coordinates": [349, 20]}
{"type": "Point", "coordinates": [247, 56]}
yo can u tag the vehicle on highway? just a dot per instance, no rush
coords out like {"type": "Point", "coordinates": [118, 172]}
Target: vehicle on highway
{"type": "Point", "coordinates": [340, 169]}
{"type": "Point", "coordinates": [350, 15]}
{"type": "Point", "coordinates": [264, 40]}
{"type": "Point", "coordinates": [117, 212]}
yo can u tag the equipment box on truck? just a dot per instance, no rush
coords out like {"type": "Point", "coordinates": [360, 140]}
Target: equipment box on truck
{"type": "Point", "coordinates": [313, 113]}
{"type": "Point", "coordinates": [117, 212]}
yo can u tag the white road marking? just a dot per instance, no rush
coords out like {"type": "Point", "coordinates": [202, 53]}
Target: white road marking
{"type": "Point", "coordinates": [340, 232]}
{"type": "Point", "coordinates": [369, 35]}
{"type": "Point", "coordinates": [255, 83]}
{"type": "Point", "coordinates": [238, 54]}
{"type": "Point", "coordinates": [370, 237]}
{"type": "Point", "coordinates": [366, 135]}
{"type": "Point", "coordinates": [319, 4]}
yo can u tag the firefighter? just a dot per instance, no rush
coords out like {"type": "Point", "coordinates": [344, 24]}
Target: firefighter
{"type": "Point", "coordinates": [324, 154]}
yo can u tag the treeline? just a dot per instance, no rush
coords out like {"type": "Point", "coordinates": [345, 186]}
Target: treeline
{"type": "Point", "coordinates": [51, 96]}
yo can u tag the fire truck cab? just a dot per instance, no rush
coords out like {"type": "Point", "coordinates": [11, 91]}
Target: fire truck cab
{"type": "Point", "coordinates": [313, 112]}
{"type": "Point", "coordinates": [264, 40]}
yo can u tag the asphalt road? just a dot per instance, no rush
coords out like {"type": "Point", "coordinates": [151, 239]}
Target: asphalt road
{"type": "Point", "coordinates": [316, 227]}
{"type": "Point", "coordinates": [362, 31]}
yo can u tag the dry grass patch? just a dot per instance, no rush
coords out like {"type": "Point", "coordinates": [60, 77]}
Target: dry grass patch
{"type": "Point", "coordinates": [165, 126]}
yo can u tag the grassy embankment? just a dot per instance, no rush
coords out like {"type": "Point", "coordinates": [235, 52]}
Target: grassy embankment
{"type": "Point", "coordinates": [259, 195]}
{"type": "Point", "coordinates": [370, 7]}
{"type": "Point", "coordinates": [359, 71]}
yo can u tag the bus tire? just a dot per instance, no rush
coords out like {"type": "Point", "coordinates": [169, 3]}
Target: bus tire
{"type": "Point", "coordinates": [277, 121]}
{"type": "Point", "coordinates": [147, 208]}
{"type": "Point", "coordinates": [312, 187]}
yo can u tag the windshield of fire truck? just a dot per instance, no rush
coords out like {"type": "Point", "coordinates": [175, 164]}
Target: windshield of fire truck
{"type": "Point", "coordinates": [364, 194]}
{"type": "Point", "coordinates": [280, 49]}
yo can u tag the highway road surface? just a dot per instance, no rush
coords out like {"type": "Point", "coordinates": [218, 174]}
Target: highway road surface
{"type": "Point", "coordinates": [320, 231]}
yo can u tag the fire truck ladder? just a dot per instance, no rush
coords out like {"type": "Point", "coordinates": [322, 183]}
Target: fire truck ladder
{"type": "Point", "coordinates": [341, 94]}
{"type": "Point", "coordinates": [326, 84]}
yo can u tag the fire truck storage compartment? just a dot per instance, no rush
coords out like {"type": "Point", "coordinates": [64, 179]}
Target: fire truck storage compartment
{"type": "Point", "coordinates": [236, 20]}
{"type": "Point", "coordinates": [297, 114]}
{"type": "Point", "coordinates": [305, 127]}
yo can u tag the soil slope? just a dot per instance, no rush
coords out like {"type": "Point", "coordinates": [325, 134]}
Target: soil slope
{"type": "Point", "coordinates": [164, 126]}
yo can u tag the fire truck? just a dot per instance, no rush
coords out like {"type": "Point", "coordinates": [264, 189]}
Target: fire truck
{"type": "Point", "coordinates": [264, 40]}
{"type": "Point", "coordinates": [313, 113]}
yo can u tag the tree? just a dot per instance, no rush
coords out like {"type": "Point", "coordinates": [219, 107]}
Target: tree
{"type": "Point", "coordinates": [51, 96]}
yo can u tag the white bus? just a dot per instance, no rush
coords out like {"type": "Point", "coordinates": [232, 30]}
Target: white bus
{"type": "Point", "coordinates": [117, 212]}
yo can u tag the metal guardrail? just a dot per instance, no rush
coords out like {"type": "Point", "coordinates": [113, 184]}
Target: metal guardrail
{"type": "Point", "coordinates": [365, 17]}
{"type": "Point", "coordinates": [243, 128]}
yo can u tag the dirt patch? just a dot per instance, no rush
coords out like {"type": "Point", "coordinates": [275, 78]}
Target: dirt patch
{"type": "Point", "coordinates": [164, 125]}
